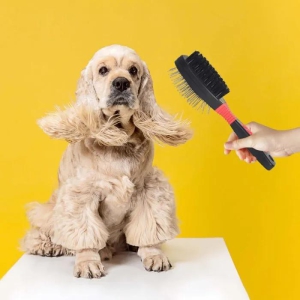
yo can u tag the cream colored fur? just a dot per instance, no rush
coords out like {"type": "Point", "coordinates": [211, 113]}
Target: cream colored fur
{"type": "Point", "coordinates": [109, 194]}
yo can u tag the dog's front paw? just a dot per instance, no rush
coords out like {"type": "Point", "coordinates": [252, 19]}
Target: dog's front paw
{"type": "Point", "coordinates": [157, 263]}
{"type": "Point", "coordinates": [89, 269]}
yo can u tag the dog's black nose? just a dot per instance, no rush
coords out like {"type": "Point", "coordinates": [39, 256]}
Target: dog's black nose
{"type": "Point", "coordinates": [121, 84]}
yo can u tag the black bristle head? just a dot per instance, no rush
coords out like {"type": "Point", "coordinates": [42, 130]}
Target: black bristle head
{"type": "Point", "coordinates": [207, 73]}
{"type": "Point", "coordinates": [197, 80]}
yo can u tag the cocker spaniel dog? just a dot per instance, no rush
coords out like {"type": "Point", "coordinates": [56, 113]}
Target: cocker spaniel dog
{"type": "Point", "coordinates": [109, 197]}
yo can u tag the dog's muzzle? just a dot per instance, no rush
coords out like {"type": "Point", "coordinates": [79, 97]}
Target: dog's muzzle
{"type": "Point", "coordinates": [121, 93]}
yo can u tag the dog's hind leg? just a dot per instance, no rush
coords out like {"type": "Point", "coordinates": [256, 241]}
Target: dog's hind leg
{"type": "Point", "coordinates": [39, 243]}
{"type": "Point", "coordinates": [38, 240]}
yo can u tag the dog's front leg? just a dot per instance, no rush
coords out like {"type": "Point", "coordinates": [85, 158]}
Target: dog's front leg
{"type": "Point", "coordinates": [88, 264]}
{"type": "Point", "coordinates": [77, 224]}
{"type": "Point", "coordinates": [152, 221]}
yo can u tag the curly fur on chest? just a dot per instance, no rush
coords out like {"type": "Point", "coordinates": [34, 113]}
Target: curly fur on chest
{"type": "Point", "coordinates": [122, 168]}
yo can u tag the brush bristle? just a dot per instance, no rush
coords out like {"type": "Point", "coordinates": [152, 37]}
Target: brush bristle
{"type": "Point", "coordinates": [185, 90]}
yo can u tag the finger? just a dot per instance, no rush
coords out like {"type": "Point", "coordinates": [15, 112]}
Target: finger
{"type": "Point", "coordinates": [242, 154]}
{"type": "Point", "coordinates": [231, 138]}
{"type": "Point", "coordinates": [245, 155]}
{"type": "Point", "coordinates": [253, 160]}
{"type": "Point", "coordinates": [240, 144]}
{"type": "Point", "coordinates": [249, 158]}
{"type": "Point", "coordinates": [226, 151]}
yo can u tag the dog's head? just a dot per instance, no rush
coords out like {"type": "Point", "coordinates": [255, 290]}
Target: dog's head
{"type": "Point", "coordinates": [117, 83]}
{"type": "Point", "coordinates": [114, 81]}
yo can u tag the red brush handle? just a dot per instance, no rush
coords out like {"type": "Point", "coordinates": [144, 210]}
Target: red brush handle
{"type": "Point", "coordinates": [225, 112]}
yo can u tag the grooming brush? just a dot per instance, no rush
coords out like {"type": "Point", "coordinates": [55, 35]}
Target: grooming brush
{"type": "Point", "coordinates": [201, 84]}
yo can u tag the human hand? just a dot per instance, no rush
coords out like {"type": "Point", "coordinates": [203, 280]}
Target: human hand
{"type": "Point", "coordinates": [277, 143]}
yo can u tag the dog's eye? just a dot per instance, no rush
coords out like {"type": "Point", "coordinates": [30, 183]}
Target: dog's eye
{"type": "Point", "coordinates": [103, 70]}
{"type": "Point", "coordinates": [133, 71]}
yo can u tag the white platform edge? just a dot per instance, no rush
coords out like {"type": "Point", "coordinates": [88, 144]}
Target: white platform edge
{"type": "Point", "coordinates": [203, 269]}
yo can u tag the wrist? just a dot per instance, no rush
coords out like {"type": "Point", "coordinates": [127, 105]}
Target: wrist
{"type": "Point", "coordinates": [290, 141]}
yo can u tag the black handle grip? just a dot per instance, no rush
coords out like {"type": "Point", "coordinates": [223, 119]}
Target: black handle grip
{"type": "Point", "coordinates": [263, 158]}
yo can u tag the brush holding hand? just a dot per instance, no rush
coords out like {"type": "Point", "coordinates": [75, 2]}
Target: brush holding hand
{"type": "Point", "coordinates": [278, 143]}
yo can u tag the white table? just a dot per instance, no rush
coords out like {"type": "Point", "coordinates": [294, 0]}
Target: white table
{"type": "Point", "coordinates": [202, 269]}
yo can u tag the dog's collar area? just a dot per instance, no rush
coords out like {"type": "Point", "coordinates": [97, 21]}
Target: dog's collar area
{"type": "Point", "coordinates": [127, 126]}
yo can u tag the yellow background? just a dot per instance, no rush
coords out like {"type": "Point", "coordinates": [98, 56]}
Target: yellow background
{"type": "Point", "coordinates": [253, 44]}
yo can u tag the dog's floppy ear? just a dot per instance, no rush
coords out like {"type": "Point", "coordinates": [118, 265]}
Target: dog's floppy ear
{"type": "Point", "coordinates": [146, 94]}
{"type": "Point", "coordinates": [153, 121]}
{"type": "Point", "coordinates": [85, 93]}
{"type": "Point", "coordinates": [80, 122]}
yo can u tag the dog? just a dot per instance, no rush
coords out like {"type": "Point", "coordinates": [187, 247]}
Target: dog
{"type": "Point", "coordinates": [109, 197]}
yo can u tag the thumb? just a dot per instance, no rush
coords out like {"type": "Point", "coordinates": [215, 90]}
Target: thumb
{"type": "Point", "coordinates": [239, 144]}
